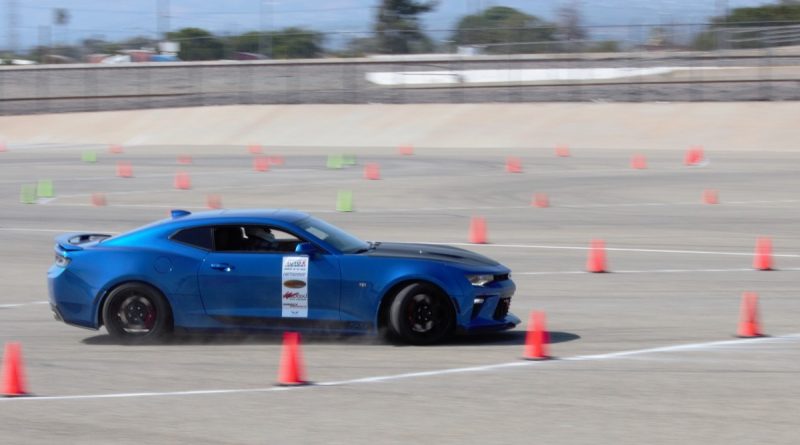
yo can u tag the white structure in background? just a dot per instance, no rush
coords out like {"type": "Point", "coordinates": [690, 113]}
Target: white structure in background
{"type": "Point", "coordinates": [516, 76]}
{"type": "Point", "coordinates": [169, 48]}
{"type": "Point", "coordinates": [117, 58]}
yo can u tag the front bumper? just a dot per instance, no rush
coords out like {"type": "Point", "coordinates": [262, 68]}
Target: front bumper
{"type": "Point", "coordinates": [487, 308]}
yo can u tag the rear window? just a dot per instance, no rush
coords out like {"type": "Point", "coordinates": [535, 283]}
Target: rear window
{"type": "Point", "coordinates": [196, 236]}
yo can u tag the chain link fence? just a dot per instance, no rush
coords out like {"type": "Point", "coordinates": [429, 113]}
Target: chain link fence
{"type": "Point", "coordinates": [740, 65]}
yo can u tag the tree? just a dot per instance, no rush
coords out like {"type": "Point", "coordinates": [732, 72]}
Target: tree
{"type": "Point", "coordinates": [138, 42]}
{"type": "Point", "coordinates": [98, 45]}
{"type": "Point", "coordinates": [733, 30]}
{"type": "Point", "coordinates": [360, 46]}
{"type": "Point", "coordinates": [288, 43]}
{"type": "Point", "coordinates": [503, 30]}
{"type": "Point", "coordinates": [247, 42]}
{"type": "Point", "coordinates": [397, 27]}
{"type": "Point", "coordinates": [197, 44]}
{"type": "Point", "coordinates": [570, 26]}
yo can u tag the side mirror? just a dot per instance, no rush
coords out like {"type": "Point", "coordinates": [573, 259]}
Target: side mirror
{"type": "Point", "coordinates": [306, 249]}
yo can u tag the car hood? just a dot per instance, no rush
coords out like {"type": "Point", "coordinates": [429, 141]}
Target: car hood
{"type": "Point", "coordinates": [431, 252]}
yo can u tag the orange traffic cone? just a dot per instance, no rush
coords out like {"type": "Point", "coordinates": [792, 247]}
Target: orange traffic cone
{"type": "Point", "coordinates": [749, 325]}
{"type": "Point", "coordinates": [115, 149]}
{"type": "Point", "coordinates": [694, 156]}
{"type": "Point", "coordinates": [513, 165]}
{"type": "Point", "coordinates": [597, 257]}
{"type": "Point", "coordinates": [540, 200]}
{"type": "Point", "coordinates": [184, 159]}
{"type": "Point", "coordinates": [276, 160]}
{"type": "Point", "coordinates": [536, 338]}
{"type": "Point", "coordinates": [261, 163]}
{"type": "Point", "coordinates": [291, 371]}
{"type": "Point", "coordinates": [477, 230]}
{"type": "Point", "coordinates": [406, 150]}
{"type": "Point", "coordinates": [562, 151]}
{"type": "Point", "coordinates": [255, 149]}
{"type": "Point", "coordinates": [710, 196]}
{"type": "Point", "coordinates": [638, 162]}
{"type": "Point", "coordinates": [214, 202]}
{"type": "Point", "coordinates": [372, 171]}
{"type": "Point", "coordinates": [98, 199]}
{"type": "Point", "coordinates": [763, 258]}
{"type": "Point", "coordinates": [182, 181]}
{"type": "Point", "coordinates": [13, 373]}
{"type": "Point", "coordinates": [124, 169]}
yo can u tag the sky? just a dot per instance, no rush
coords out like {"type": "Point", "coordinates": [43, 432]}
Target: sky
{"type": "Point", "coordinates": [119, 19]}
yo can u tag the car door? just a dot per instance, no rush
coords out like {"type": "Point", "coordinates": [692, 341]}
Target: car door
{"type": "Point", "coordinates": [242, 284]}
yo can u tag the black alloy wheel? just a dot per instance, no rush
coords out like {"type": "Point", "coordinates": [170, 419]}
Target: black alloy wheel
{"type": "Point", "coordinates": [421, 314]}
{"type": "Point", "coordinates": [136, 312]}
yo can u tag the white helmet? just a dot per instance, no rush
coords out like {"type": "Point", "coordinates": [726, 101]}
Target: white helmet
{"type": "Point", "coordinates": [260, 233]}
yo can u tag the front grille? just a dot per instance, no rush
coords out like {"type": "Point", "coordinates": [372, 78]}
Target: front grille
{"type": "Point", "coordinates": [501, 310]}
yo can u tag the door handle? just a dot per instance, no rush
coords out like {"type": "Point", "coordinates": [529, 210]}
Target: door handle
{"type": "Point", "coordinates": [225, 267]}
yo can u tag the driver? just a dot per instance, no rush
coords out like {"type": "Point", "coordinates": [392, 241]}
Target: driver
{"type": "Point", "coordinates": [260, 238]}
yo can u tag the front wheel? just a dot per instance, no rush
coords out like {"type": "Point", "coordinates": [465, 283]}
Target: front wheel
{"type": "Point", "coordinates": [421, 314]}
{"type": "Point", "coordinates": [136, 312]}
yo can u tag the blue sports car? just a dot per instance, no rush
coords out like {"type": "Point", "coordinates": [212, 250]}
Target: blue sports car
{"type": "Point", "coordinates": [275, 270]}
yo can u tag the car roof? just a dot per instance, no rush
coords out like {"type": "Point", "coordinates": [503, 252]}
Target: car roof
{"type": "Point", "coordinates": [181, 219]}
{"type": "Point", "coordinates": [218, 216]}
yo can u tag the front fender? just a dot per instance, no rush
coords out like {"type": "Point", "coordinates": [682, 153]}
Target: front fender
{"type": "Point", "coordinates": [367, 282]}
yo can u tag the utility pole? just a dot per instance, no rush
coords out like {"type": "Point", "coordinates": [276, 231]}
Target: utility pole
{"type": "Point", "coordinates": [261, 27]}
{"type": "Point", "coordinates": [265, 14]}
{"type": "Point", "coordinates": [723, 11]}
{"type": "Point", "coordinates": [11, 6]}
{"type": "Point", "coordinates": [162, 19]}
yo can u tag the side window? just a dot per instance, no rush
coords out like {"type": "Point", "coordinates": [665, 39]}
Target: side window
{"type": "Point", "coordinates": [252, 238]}
{"type": "Point", "coordinates": [196, 236]}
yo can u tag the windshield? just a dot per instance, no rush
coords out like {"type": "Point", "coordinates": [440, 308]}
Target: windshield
{"type": "Point", "coordinates": [333, 235]}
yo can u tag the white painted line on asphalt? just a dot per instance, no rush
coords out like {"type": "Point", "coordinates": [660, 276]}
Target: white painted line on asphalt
{"type": "Point", "coordinates": [432, 373]}
{"type": "Point", "coordinates": [610, 249]}
{"type": "Point", "coordinates": [573, 272]}
{"type": "Point", "coordinates": [6, 306]}
{"type": "Point", "coordinates": [646, 204]}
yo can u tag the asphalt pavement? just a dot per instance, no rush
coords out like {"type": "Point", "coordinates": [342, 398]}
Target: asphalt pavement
{"type": "Point", "coordinates": [645, 353]}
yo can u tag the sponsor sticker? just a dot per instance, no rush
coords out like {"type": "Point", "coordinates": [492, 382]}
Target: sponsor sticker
{"type": "Point", "coordinates": [294, 287]}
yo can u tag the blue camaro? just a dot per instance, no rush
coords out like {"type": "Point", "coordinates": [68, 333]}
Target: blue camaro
{"type": "Point", "coordinates": [272, 269]}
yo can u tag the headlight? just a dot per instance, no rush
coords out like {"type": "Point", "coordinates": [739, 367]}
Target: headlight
{"type": "Point", "coordinates": [480, 280]}
{"type": "Point", "coordinates": [62, 261]}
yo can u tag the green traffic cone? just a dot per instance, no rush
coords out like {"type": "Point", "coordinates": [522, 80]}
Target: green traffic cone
{"type": "Point", "coordinates": [27, 194]}
{"type": "Point", "coordinates": [344, 201]}
{"type": "Point", "coordinates": [349, 159]}
{"type": "Point", "coordinates": [335, 161]}
{"type": "Point", "coordinates": [89, 157]}
{"type": "Point", "coordinates": [44, 189]}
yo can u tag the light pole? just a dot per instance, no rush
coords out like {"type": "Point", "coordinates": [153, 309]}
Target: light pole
{"type": "Point", "coordinates": [162, 19]}
{"type": "Point", "coordinates": [265, 13]}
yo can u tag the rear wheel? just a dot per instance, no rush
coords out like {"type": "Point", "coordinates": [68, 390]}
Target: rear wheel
{"type": "Point", "coordinates": [421, 314]}
{"type": "Point", "coordinates": [135, 312]}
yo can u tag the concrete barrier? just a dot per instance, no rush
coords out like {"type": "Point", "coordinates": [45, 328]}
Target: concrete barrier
{"type": "Point", "coordinates": [625, 126]}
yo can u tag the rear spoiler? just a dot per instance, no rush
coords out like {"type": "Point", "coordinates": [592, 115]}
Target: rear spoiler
{"type": "Point", "coordinates": [77, 241]}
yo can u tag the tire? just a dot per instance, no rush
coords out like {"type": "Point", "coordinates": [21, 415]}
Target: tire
{"type": "Point", "coordinates": [421, 314]}
{"type": "Point", "coordinates": [137, 313]}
